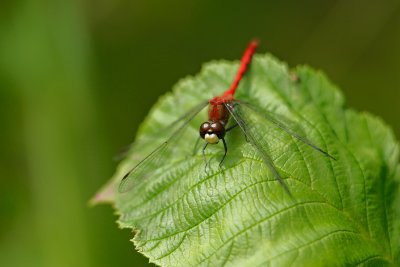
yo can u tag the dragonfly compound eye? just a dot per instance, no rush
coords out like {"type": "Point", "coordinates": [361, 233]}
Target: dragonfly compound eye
{"type": "Point", "coordinates": [212, 132]}
{"type": "Point", "coordinates": [204, 128]}
{"type": "Point", "coordinates": [218, 129]}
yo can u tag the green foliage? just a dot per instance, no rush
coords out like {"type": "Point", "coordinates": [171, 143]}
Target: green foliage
{"type": "Point", "coordinates": [342, 212]}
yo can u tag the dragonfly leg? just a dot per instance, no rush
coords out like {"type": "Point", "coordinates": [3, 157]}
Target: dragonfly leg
{"type": "Point", "coordinates": [231, 127]}
{"type": "Point", "coordinates": [226, 151]}
{"type": "Point", "coordinates": [204, 157]}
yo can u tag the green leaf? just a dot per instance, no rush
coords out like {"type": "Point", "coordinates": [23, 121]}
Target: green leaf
{"type": "Point", "coordinates": [342, 212]}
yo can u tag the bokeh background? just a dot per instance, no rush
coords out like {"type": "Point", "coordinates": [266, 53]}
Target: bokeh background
{"type": "Point", "coordinates": [77, 78]}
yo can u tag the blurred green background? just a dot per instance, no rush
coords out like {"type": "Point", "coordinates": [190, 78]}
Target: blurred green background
{"type": "Point", "coordinates": [77, 78]}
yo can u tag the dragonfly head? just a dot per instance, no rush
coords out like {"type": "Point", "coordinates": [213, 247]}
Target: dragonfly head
{"type": "Point", "coordinates": [212, 131]}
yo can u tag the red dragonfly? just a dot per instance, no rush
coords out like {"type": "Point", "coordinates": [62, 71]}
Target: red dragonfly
{"type": "Point", "coordinates": [220, 110]}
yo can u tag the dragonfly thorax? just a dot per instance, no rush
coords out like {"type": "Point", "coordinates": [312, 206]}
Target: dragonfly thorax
{"type": "Point", "coordinates": [212, 131]}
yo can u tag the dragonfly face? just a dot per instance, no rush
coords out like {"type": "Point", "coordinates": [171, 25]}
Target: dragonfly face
{"type": "Point", "coordinates": [212, 131]}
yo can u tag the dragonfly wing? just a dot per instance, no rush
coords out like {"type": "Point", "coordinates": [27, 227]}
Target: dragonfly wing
{"type": "Point", "coordinates": [163, 153]}
{"type": "Point", "coordinates": [273, 119]}
{"type": "Point", "coordinates": [143, 169]}
{"type": "Point", "coordinates": [253, 136]}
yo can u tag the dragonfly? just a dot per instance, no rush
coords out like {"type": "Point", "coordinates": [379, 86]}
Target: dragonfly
{"type": "Point", "coordinates": [221, 110]}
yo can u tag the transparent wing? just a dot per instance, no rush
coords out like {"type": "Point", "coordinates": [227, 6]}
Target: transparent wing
{"type": "Point", "coordinates": [245, 116]}
{"type": "Point", "coordinates": [273, 118]}
{"type": "Point", "coordinates": [164, 152]}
